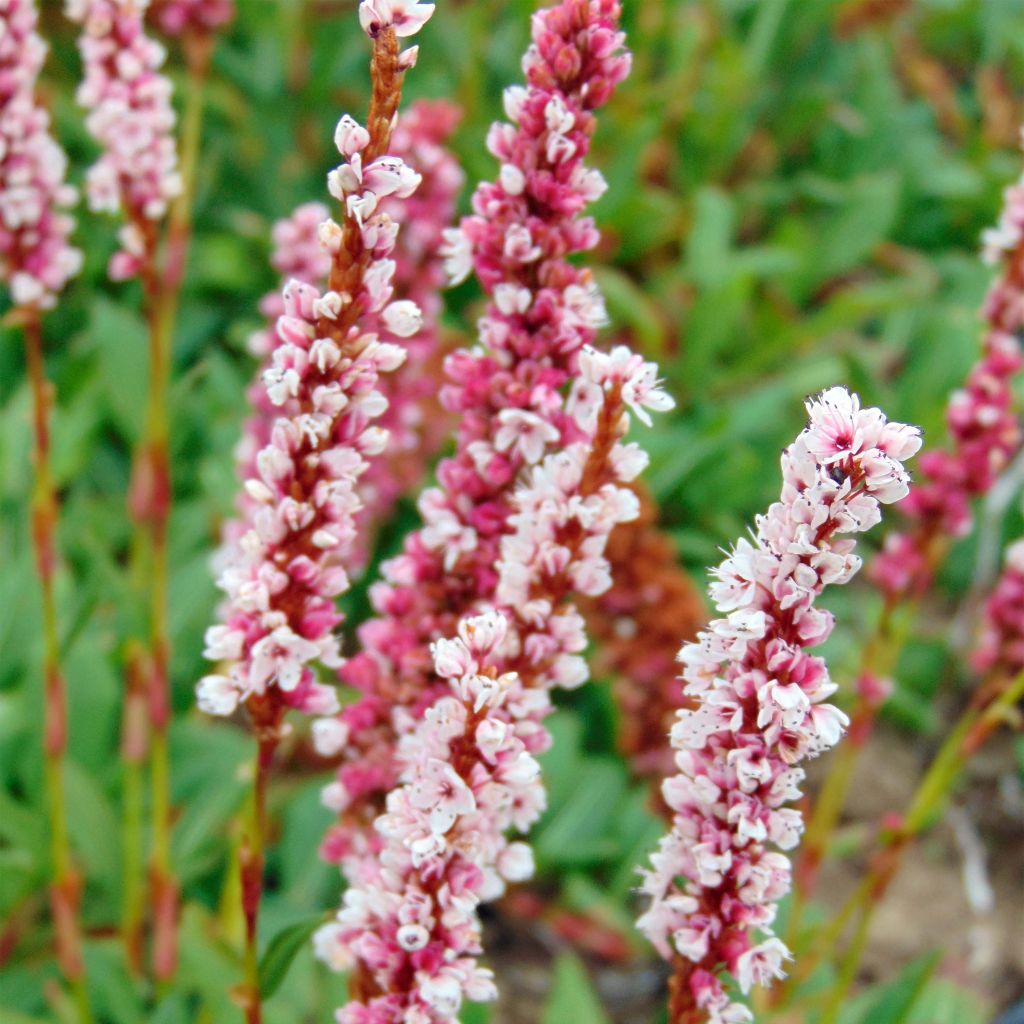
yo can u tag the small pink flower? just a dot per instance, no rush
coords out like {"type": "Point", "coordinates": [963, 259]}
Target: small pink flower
{"type": "Point", "coordinates": [406, 17]}
{"type": "Point", "coordinates": [760, 706]}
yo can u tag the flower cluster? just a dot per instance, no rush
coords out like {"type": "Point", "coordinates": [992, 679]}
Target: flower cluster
{"type": "Point", "coordinates": [288, 564]}
{"type": "Point", "coordinates": [477, 753]}
{"type": "Point", "coordinates": [36, 259]}
{"type": "Point", "coordinates": [986, 432]}
{"type": "Point", "coordinates": [417, 425]}
{"type": "Point", "coordinates": [508, 393]}
{"type": "Point", "coordinates": [760, 707]}
{"type": "Point", "coordinates": [131, 117]}
{"type": "Point", "coordinates": [1001, 647]}
{"type": "Point", "coordinates": [637, 625]}
{"type": "Point", "coordinates": [415, 428]}
{"type": "Point", "coordinates": [178, 17]}
{"type": "Point", "coordinates": [466, 782]}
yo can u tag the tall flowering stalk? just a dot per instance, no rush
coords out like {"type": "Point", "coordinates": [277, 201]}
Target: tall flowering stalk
{"type": "Point", "coordinates": [416, 426]}
{"type": "Point", "coordinates": [995, 701]}
{"type": "Point", "coordinates": [638, 623]}
{"type": "Point", "coordinates": [36, 262]}
{"type": "Point", "coordinates": [542, 311]}
{"type": "Point", "coordinates": [289, 565]}
{"type": "Point", "coordinates": [129, 113]}
{"type": "Point", "coordinates": [760, 710]}
{"type": "Point", "coordinates": [468, 772]}
{"type": "Point", "coordinates": [986, 435]}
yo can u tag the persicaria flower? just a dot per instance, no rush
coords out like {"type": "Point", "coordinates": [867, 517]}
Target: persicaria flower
{"type": "Point", "coordinates": [511, 397]}
{"type": "Point", "coordinates": [406, 17]}
{"type": "Point", "coordinates": [983, 425]}
{"type": "Point", "coordinates": [178, 17]}
{"type": "Point", "coordinates": [759, 706]}
{"type": "Point", "coordinates": [1001, 646]}
{"type": "Point", "coordinates": [468, 781]}
{"type": "Point", "coordinates": [36, 257]}
{"type": "Point", "coordinates": [285, 563]}
{"type": "Point", "coordinates": [130, 115]}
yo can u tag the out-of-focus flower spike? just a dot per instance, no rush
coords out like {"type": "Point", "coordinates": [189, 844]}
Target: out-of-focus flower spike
{"type": "Point", "coordinates": [36, 256]}
{"type": "Point", "coordinates": [130, 115]}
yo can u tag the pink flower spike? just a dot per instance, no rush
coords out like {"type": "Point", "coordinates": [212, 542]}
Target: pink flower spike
{"type": "Point", "coordinates": [36, 257]}
{"type": "Point", "coordinates": [130, 115]}
{"type": "Point", "coordinates": [984, 426]}
{"type": "Point", "coordinates": [759, 707]}
{"type": "Point", "coordinates": [311, 440]}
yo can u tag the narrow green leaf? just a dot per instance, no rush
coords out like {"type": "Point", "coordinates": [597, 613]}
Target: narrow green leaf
{"type": "Point", "coordinates": [898, 998]}
{"type": "Point", "coordinates": [572, 997]}
{"type": "Point", "coordinates": [282, 950]}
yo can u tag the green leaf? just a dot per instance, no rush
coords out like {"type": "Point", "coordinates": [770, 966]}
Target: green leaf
{"type": "Point", "coordinates": [864, 220]}
{"type": "Point", "coordinates": [572, 997]}
{"type": "Point", "coordinates": [898, 998]}
{"type": "Point", "coordinates": [282, 950]}
{"type": "Point", "coordinates": [579, 831]}
{"type": "Point", "coordinates": [118, 335]}
{"type": "Point", "coordinates": [943, 1002]}
{"type": "Point", "coordinates": [710, 238]}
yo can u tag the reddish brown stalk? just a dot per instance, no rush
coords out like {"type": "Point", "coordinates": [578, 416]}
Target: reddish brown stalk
{"type": "Point", "coordinates": [353, 258]}
{"type": "Point", "coordinates": [149, 502]}
{"type": "Point", "coordinates": [65, 881]}
{"type": "Point", "coordinates": [346, 275]}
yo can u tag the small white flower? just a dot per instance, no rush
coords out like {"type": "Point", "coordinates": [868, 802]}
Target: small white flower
{"type": "Point", "coordinates": [402, 318]}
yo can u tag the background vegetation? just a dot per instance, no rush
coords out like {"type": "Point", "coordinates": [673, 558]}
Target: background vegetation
{"type": "Point", "coordinates": [796, 195]}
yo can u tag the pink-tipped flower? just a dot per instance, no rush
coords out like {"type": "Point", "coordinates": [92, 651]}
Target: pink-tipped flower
{"type": "Point", "coordinates": [130, 115]}
{"type": "Point", "coordinates": [179, 17]}
{"type": "Point", "coordinates": [1001, 647]}
{"type": "Point", "coordinates": [36, 258]}
{"type": "Point", "coordinates": [466, 767]}
{"type": "Point", "coordinates": [283, 569]}
{"type": "Point", "coordinates": [985, 430]}
{"type": "Point", "coordinates": [417, 425]}
{"type": "Point", "coordinates": [416, 428]}
{"type": "Point", "coordinates": [409, 924]}
{"type": "Point", "coordinates": [760, 708]}
{"type": "Point", "coordinates": [509, 393]}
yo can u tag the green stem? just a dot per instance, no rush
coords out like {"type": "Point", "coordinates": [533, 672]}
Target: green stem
{"type": "Point", "coordinates": [251, 861]}
{"type": "Point", "coordinates": [878, 659]}
{"type": "Point", "coordinates": [134, 740]}
{"type": "Point", "coordinates": [65, 882]}
{"type": "Point", "coordinates": [973, 728]}
{"type": "Point", "coordinates": [152, 504]}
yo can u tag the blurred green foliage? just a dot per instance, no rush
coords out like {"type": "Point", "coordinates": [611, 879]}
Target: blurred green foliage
{"type": "Point", "coordinates": [796, 195]}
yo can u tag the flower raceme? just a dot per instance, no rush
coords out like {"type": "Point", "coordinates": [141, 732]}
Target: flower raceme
{"type": "Point", "coordinates": [760, 709]}
{"type": "Point", "coordinates": [509, 394]}
{"type": "Point", "coordinates": [287, 566]}
{"type": "Point", "coordinates": [985, 430]}
{"type": "Point", "coordinates": [36, 258]}
{"type": "Point", "coordinates": [467, 780]}
{"type": "Point", "coordinates": [413, 434]}
{"type": "Point", "coordinates": [1001, 645]}
{"type": "Point", "coordinates": [466, 767]}
{"type": "Point", "coordinates": [130, 115]}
